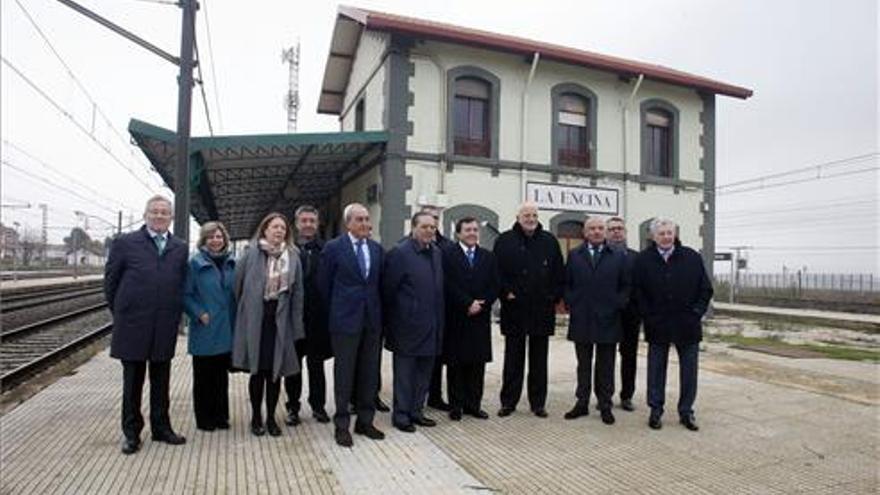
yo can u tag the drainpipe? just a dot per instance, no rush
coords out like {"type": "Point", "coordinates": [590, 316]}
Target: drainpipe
{"type": "Point", "coordinates": [522, 150]}
{"type": "Point", "coordinates": [626, 107]}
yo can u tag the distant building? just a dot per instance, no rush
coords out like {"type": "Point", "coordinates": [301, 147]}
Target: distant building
{"type": "Point", "coordinates": [86, 257]}
{"type": "Point", "coordinates": [9, 241]}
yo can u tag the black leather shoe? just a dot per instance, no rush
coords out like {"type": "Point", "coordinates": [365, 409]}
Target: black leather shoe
{"type": "Point", "coordinates": [607, 416]}
{"type": "Point", "coordinates": [410, 428]}
{"type": "Point", "coordinates": [223, 425]}
{"type": "Point", "coordinates": [257, 428]}
{"type": "Point", "coordinates": [541, 413]}
{"type": "Point", "coordinates": [577, 411]}
{"type": "Point", "coordinates": [627, 405]}
{"type": "Point", "coordinates": [689, 422]}
{"type": "Point", "coordinates": [272, 428]}
{"type": "Point", "coordinates": [654, 421]}
{"type": "Point", "coordinates": [477, 413]}
{"type": "Point", "coordinates": [343, 438]}
{"type": "Point", "coordinates": [206, 427]}
{"type": "Point", "coordinates": [169, 437]}
{"type": "Point", "coordinates": [321, 416]}
{"type": "Point", "coordinates": [455, 415]}
{"type": "Point", "coordinates": [130, 445]}
{"type": "Point", "coordinates": [423, 421]}
{"type": "Point", "coordinates": [381, 406]}
{"type": "Point", "coordinates": [439, 405]}
{"type": "Point", "coordinates": [505, 411]}
{"type": "Point", "coordinates": [369, 431]}
{"type": "Point", "coordinates": [292, 419]}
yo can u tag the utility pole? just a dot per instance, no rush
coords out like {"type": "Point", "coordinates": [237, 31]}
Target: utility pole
{"type": "Point", "coordinates": [290, 56]}
{"type": "Point", "coordinates": [735, 265]}
{"type": "Point", "coordinates": [184, 112]}
{"type": "Point", "coordinates": [119, 224]}
{"type": "Point", "coordinates": [184, 98]}
{"type": "Point", "coordinates": [44, 234]}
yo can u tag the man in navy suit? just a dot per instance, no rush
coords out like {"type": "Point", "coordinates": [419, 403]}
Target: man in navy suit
{"type": "Point", "coordinates": [349, 277]}
{"type": "Point", "coordinates": [143, 283]}
{"type": "Point", "coordinates": [412, 289]}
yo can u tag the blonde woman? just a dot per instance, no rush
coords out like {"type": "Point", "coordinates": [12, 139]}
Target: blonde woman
{"type": "Point", "coordinates": [209, 302]}
{"type": "Point", "coordinates": [269, 289]}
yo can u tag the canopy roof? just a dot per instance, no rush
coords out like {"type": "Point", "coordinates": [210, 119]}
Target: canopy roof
{"type": "Point", "coordinates": [239, 179]}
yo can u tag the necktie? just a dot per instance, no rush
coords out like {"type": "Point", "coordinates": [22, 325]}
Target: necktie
{"type": "Point", "coordinates": [665, 253]}
{"type": "Point", "coordinates": [362, 258]}
{"type": "Point", "coordinates": [160, 243]}
{"type": "Point", "coordinates": [470, 256]}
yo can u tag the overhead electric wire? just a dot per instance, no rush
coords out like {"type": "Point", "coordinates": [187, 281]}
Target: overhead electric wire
{"type": "Point", "coordinates": [54, 184]}
{"type": "Point", "coordinates": [799, 181]}
{"type": "Point", "coordinates": [66, 176]}
{"type": "Point", "coordinates": [213, 65]}
{"type": "Point", "coordinates": [796, 207]}
{"type": "Point", "coordinates": [76, 123]}
{"type": "Point", "coordinates": [202, 85]}
{"type": "Point", "coordinates": [75, 79]}
{"type": "Point", "coordinates": [817, 167]}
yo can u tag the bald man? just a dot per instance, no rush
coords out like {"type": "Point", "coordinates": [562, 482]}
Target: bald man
{"type": "Point", "coordinates": [532, 282]}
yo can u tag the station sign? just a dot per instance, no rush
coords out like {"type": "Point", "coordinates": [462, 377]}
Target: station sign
{"type": "Point", "coordinates": [723, 256]}
{"type": "Point", "coordinates": [599, 200]}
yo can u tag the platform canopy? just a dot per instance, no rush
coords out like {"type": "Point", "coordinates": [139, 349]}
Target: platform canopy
{"type": "Point", "coordinates": [239, 179]}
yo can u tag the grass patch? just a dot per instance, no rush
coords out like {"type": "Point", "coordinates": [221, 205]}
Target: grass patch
{"type": "Point", "coordinates": [784, 348]}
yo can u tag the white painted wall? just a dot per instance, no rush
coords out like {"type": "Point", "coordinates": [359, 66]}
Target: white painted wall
{"type": "Point", "coordinates": [433, 59]}
{"type": "Point", "coordinates": [356, 192]}
{"type": "Point", "coordinates": [369, 54]}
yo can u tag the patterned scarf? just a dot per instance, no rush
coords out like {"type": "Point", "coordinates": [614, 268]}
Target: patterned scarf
{"type": "Point", "coordinates": [277, 269]}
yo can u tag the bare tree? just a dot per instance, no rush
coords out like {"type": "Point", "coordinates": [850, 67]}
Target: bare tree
{"type": "Point", "coordinates": [31, 243]}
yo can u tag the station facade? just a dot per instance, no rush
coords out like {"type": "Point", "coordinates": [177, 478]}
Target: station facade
{"type": "Point", "coordinates": [479, 122]}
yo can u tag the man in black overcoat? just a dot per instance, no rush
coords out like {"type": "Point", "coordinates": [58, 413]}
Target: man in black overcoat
{"type": "Point", "coordinates": [596, 291]}
{"type": "Point", "coordinates": [143, 283]}
{"type": "Point", "coordinates": [673, 292]}
{"type": "Point", "coordinates": [316, 346]}
{"type": "Point", "coordinates": [471, 281]}
{"type": "Point", "coordinates": [412, 290]}
{"type": "Point", "coordinates": [630, 318]}
{"type": "Point", "coordinates": [532, 281]}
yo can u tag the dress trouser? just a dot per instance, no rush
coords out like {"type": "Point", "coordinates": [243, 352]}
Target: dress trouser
{"type": "Point", "coordinates": [412, 377]}
{"type": "Point", "coordinates": [211, 389]}
{"type": "Point", "coordinates": [464, 383]}
{"type": "Point", "coordinates": [688, 362]}
{"type": "Point", "coordinates": [628, 348]}
{"type": "Point", "coordinates": [602, 376]}
{"type": "Point", "coordinates": [133, 374]}
{"type": "Point", "coordinates": [514, 369]}
{"type": "Point", "coordinates": [317, 386]}
{"type": "Point", "coordinates": [355, 365]}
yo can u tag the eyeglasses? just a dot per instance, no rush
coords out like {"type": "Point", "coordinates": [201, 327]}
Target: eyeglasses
{"type": "Point", "coordinates": [615, 228]}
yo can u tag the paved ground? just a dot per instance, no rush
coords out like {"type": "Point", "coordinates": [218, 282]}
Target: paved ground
{"type": "Point", "coordinates": [867, 322]}
{"type": "Point", "coordinates": [762, 432]}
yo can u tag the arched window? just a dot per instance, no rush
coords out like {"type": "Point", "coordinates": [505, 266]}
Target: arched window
{"type": "Point", "coordinates": [659, 139]}
{"type": "Point", "coordinates": [471, 117]}
{"type": "Point", "coordinates": [573, 137]}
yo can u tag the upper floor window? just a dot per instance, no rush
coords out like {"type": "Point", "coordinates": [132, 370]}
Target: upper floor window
{"type": "Point", "coordinates": [573, 136]}
{"type": "Point", "coordinates": [471, 129]}
{"type": "Point", "coordinates": [659, 142]}
{"type": "Point", "coordinates": [659, 145]}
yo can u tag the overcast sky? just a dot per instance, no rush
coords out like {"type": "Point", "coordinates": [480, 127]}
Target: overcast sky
{"type": "Point", "coordinates": [812, 64]}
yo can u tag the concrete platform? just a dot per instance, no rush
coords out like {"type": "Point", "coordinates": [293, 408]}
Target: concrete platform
{"type": "Point", "coordinates": [756, 438]}
{"type": "Point", "coordinates": [48, 282]}
{"type": "Point", "coordinates": [858, 321]}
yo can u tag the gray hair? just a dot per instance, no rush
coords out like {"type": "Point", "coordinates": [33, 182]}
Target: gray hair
{"type": "Point", "coordinates": [306, 209]}
{"type": "Point", "coordinates": [349, 211]}
{"type": "Point", "coordinates": [157, 198]}
{"type": "Point", "coordinates": [659, 222]}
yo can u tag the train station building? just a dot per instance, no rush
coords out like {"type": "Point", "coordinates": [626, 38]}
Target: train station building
{"type": "Point", "coordinates": [472, 123]}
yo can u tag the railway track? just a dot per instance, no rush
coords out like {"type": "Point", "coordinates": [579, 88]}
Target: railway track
{"type": "Point", "coordinates": [29, 349]}
{"type": "Point", "coordinates": [19, 302]}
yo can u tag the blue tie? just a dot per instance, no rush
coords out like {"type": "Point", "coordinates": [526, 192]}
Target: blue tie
{"type": "Point", "coordinates": [362, 258]}
{"type": "Point", "coordinates": [160, 243]}
{"type": "Point", "coordinates": [470, 256]}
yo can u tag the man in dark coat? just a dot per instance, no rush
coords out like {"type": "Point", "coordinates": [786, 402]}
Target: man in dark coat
{"type": "Point", "coordinates": [532, 282]}
{"type": "Point", "coordinates": [316, 346]}
{"type": "Point", "coordinates": [673, 292]}
{"type": "Point", "coordinates": [412, 288]}
{"type": "Point", "coordinates": [472, 284]}
{"type": "Point", "coordinates": [143, 282]}
{"type": "Point", "coordinates": [349, 281]}
{"type": "Point", "coordinates": [630, 318]}
{"type": "Point", "coordinates": [435, 391]}
{"type": "Point", "coordinates": [596, 290]}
